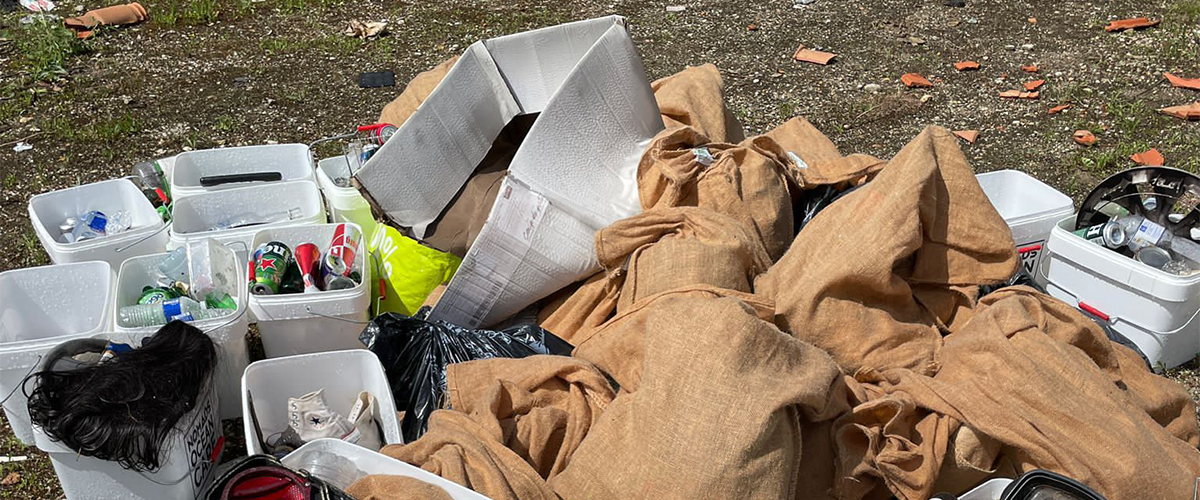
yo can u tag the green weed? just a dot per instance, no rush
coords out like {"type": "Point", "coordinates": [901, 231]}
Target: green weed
{"type": "Point", "coordinates": [305, 5]}
{"type": "Point", "coordinates": [166, 15]}
{"type": "Point", "coordinates": [33, 253]}
{"type": "Point", "coordinates": [10, 181]}
{"type": "Point", "coordinates": [43, 48]}
{"type": "Point", "coordinates": [200, 12]}
{"type": "Point", "coordinates": [280, 45]}
{"type": "Point", "coordinates": [225, 123]}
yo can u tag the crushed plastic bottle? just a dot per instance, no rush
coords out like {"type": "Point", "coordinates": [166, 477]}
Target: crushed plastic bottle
{"type": "Point", "coordinates": [175, 266]}
{"type": "Point", "coordinates": [119, 222]}
{"type": "Point", "coordinates": [90, 225]}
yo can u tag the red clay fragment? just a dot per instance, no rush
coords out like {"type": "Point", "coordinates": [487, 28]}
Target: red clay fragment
{"type": "Point", "coordinates": [966, 65]}
{"type": "Point", "coordinates": [1186, 111]}
{"type": "Point", "coordinates": [967, 135]}
{"type": "Point", "coordinates": [1084, 137]}
{"type": "Point", "coordinates": [1017, 94]}
{"type": "Point", "coordinates": [915, 80]}
{"type": "Point", "coordinates": [1183, 83]}
{"type": "Point", "coordinates": [1058, 109]}
{"type": "Point", "coordinates": [1029, 68]}
{"type": "Point", "coordinates": [813, 56]}
{"type": "Point", "coordinates": [1150, 157]}
{"type": "Point", "coordinates": [1129, 24]}
{"type": "Point", "coordinates": [1032, 86]}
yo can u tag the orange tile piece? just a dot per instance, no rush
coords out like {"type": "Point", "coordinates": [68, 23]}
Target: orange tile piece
{"type": "Point", "coordinates": [813, 56]}
{"type": "Point", "coordinates": [1183, 83]}
{"type": "Point", "coordinates": [1129, 24]}
{"type": "Point", "coordinates": [1017, 94]}
{"type": "Point", "coordinates": [1030, 68]}
{"type": "Point", "coordinates": [915, 80]}
{"type": "Point", "coordinates": [966, 65]}
{"type": "Point", "coordinates": [1084, 137]}
{"type": "Point", "coordinates": [967, 135]}
{"type": "Point", "coordinates": [1058, 109]}
{"type": "Point", "coordinates": [1150, 157]}
{"type": "Point", "coordinates": [1186, 111]}
{"type": "Point", "coordinates": [1032, 86]}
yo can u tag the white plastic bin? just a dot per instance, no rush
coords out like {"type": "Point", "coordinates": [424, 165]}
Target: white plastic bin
{"type": "Point", "coordinates": [369, 462]}
{"type": "Point", "coordinates": [1030, 207]}
{"type": "Point", "coordinates": [192, 451]}
{"type": "Point", "coordinates": [194, 216]}
{"type": "Point", "coordinates": [293, 161]}
{"type": "Point", "coordinates": [346, 204]}
{"type": "Point", "coordinates": [303, 323]}
{"type": "Point", "coordinates": [49, 210]}
{"type": "Point", "coordinates": [989, 490]}
{"type": "Point", "coordinates": [1153, 309]}
{"type": "Point", "coordinates": [229, 332]}
{"type": "Point", "coordinates": [39, 308]}
{"type": "Point", "coordinates": [342, 374]}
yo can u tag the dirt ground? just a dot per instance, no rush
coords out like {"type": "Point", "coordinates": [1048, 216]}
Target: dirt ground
{"type": "Point", "coordinates": [209, 73]}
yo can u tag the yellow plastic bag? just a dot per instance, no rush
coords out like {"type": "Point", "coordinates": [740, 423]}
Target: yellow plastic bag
{"type": "Point", "coordinates": [407, 271]}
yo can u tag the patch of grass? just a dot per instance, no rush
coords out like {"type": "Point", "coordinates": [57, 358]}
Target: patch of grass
{"type": "Point", "coordinates": [10, 181]}
{"type": "Point", "coordinates": [166, 15]}
{"type": "Point", "coordinates": [200, 12]}
{"type": "Point", "coordinates": [225, 123]}
{"type": "Point", "coordinates": [100, 131]}
{"type": "Point", "coordinates": [33, 255]}
{"type": "Point", "coordinates": [306, 5]}
{"type": "Point", "coordinates": [1185, 11]}
{"type": "Point", "coordinates": [43, 47]}
{"type": "Point", "coordinates": [281, 45]}
{"type": "Point", "coordinates": [339, 44]}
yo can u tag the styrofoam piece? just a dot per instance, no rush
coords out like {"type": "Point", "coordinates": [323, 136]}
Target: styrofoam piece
{"type": "Point", "coordinates": [41, 307]}
{"type": "Point", "coordinates": [575, 172]}
{"type": "Point", "coordinates": [1030, 207]}
{"type": "Point", "coordinates": [228, 332]}
{"type": "Point", "coordinates": [342, 374]}
{"type": "Point", "coordinates": [346, 204]}
{"type": "Point", "coordinates": [49, 210]}
{"type": "Point", "coordinates": [371, 463]}
{"type": "Point", "coordinates": [192, 451]}
{"type": "Point", "coordinates": [991, 489]}
{"type": "Point", "coordinates": [193, 216]}
{"type": "Point", "coordinates": [293, 161]}
{"type": "Point", "coordinates": [1153, 309]}
{"type": "Point", "coordinates": [303, 323]}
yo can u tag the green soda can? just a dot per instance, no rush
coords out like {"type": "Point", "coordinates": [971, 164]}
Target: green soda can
{"type": "Point", "coordinates": [271, 262]}
{"type": "Point", "coordinates": [156, 295]}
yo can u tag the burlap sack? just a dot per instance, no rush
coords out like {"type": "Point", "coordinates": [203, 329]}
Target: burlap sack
{"type": "Point", "coordinates": [719, 412]}
{"type": "Point", "coordinates": [395, 488]}
{"type": "Point", "coordinates": [847, 282]}
{"type": "Point", "coordinates": [695, 97]}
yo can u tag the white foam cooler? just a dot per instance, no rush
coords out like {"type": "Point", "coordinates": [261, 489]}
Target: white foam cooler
{"type": "Point", "coordinates": [346, 204]}
{"type": "Point", "coordinates": [342, 374]}
{"type": "Point", "coordinates": [369, 462]}
{"type": "Point", "coordinates": [194, 216]}
{"type": "Point", "coordinates": [1030, 207]}
{"type": "Point", "coordinates": [303, 323]}
{"type": "Point", "coordinates": [229, 332]}
{"type": "Point", "coordinates": [292, 161]}
{"type": "Point", "coordinates": [49, 210]}
{"type": "Point", "coordinates": [41, 307]}
{"type": "Point", "coordinates": [1153, 309]}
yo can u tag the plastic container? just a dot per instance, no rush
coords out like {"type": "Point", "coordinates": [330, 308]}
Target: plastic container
{"type": "Point", "coordinates": [41, 307]}
{"type": "Point", "coordinates": [229, 332]}
{"type": "Point", "coordinates": [194, 216]}
{"type": "Point", "coordinates": [193, 450]}
{"type": "Point", "coordinates": [991, 489]}
{"type": "Point", "coordinates": [48, 211]}
{"type": "Point", "coordinates": [369, 462]}
{"type": "Point", "coordinates": [342, 374]}
{"type": "Point", "coordinates": [346, 204]}
{"type": "Point", "coordinates": [292, 161]}
{"type": "Point", "coordinates": [1030, 207]}
{"type": "Point", "coordinates": [1153, 309]}
{"type": "Point", "coordinates": [303, 323]}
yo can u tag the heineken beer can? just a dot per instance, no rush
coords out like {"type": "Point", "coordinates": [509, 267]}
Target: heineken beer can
{"type": "Point", "coordinates": [270, 263]}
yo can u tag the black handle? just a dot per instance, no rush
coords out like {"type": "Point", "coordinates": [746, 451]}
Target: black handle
{"type": "Point", "coordinates": [217, 180]}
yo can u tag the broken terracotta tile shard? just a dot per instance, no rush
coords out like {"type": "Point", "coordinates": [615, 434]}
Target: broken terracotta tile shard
{"type": "Point", "coordinates": [912, 80]}
{"type": "Point", "coordinates": [1017, 94]}
{"type": "Point", "coordinates": [1031, 86]}
{"type": "Point", "coordinates": [1129, 24]}
{"type": "Point", "coordinates": [813, 56]}
{"type": "Point", "coordinates": [1058, 109]}
{"type": "Point", "coordinates": [1183, 83]}
{"type": "Point", "coordinates": [1029, 68]}
{"type": "Point", "coordinates": [966, 65]}
{"type": "Point", "coordinates": [967, 135]}
{"type": "Point", "coordinates": [1150, 157]}
{"type": "Point", "coordinates": [1186, 111]}
{"type": "Point", "coordinates": [1084, 137]}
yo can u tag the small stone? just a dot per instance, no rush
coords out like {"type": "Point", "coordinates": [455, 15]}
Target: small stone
{"type": "Point", "coordinates": [925, 98]}
{"type": "Point", "coordinates": [955, 3]}
{"type": "Point", "coordinates": [78, 8]}
{"type": "Point", "coordinates": [1028, 46]}
{"type": "Point", "coordinates": [972, 20]}
{"type": "Point", "coordinates": [676, 8]}
{"type": "Point", "coordinates": [1010, 47]}
{"type": "Point", "coordinates": [871, 87]}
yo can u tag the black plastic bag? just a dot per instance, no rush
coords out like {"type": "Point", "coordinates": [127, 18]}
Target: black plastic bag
{"type": "Point", "coordinates": [415, 353]}
{"type": "Point", "coordinates": [813, 201]}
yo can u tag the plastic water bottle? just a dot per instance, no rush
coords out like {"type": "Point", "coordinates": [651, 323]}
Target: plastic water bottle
{"type": "Point", "coordinates": [175, 266]}
{"type": "Point", "coordinates": [182, 308]}
{"type": "Point", "coordinates": [118, 222]}
{"type": "Point", "coordinates": [90, 225]}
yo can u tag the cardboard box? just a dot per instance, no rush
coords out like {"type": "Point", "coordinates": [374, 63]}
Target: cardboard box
{"type": "Point", "coordinates": [574, 174]}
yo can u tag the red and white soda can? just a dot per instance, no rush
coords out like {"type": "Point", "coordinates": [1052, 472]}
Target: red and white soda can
{"type": "Point", "coordinates": [338, 263]}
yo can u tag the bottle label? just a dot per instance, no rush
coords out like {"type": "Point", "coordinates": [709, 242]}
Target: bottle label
{"type": "Point", "coordinates": [1148, 233]}
{"type": "Point", "coordinates": [187, 318]}
{"type": "Point", "coordinates": [172, 308]}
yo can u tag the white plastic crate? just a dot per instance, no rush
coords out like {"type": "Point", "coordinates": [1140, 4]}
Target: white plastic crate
{"type": "Point", "coordinates": [292, 161]}
{"type": "Point", "coordinates": [346, 204]}
{"type": "Point", "coordinates": [303, 323]}
{"type": "Point", "coordinates": [41, 307]}
{"type": "Point", "coordinates": [342, 374]}
{"type": "Point", "coordinates": [1153, 309]}
{"type": "Point", "coordinates": [49, 210]}
{"type": "Point", "coordinates": [194, 216]}
{"type": "Point", "coordinates": [369, 462]}
{"type": "Point", "coordinates": [1030, 207]}
{"type": "Point", "coordinates": [229, 332]}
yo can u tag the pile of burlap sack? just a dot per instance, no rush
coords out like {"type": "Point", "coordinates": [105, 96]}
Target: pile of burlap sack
{"type": "Point", "coordinates": [853, 360]}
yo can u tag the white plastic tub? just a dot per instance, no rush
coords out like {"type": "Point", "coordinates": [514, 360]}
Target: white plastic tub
{"type": "Point", "coordinates": [342, 374]}
{"type": "Point", "coordinates": [49, 210]}
{"type": "Point", "coordinates": [303, 323]}
{"type": "Point", "coordinates": [1030, 207]}
{"type": "Point", "coordinates": [192, 452]}
{"type": "Point", "coordinates": [369, 462]}
{"type": "Point", "coordinates": [194, 216]}
{"type": "Point", "coordinates": [39, 308]}
{"type": "Point", "coordinates": [1153, 309]}
{"type": "Point", "coordinates": [293, 161]}
{"type": "Point", "coordinates": [346, 204]}
{"type": "Point", "coordinates": [229, 332]}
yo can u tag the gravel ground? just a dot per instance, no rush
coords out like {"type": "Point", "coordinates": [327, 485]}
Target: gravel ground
{"type": "Point", "coordinates": [214, 73]}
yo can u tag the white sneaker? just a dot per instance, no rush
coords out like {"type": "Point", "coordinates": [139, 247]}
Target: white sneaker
{"type": "Point", "coordinates": [363, 416]}
{"type": "Point", "coordinates": [311, 418]}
